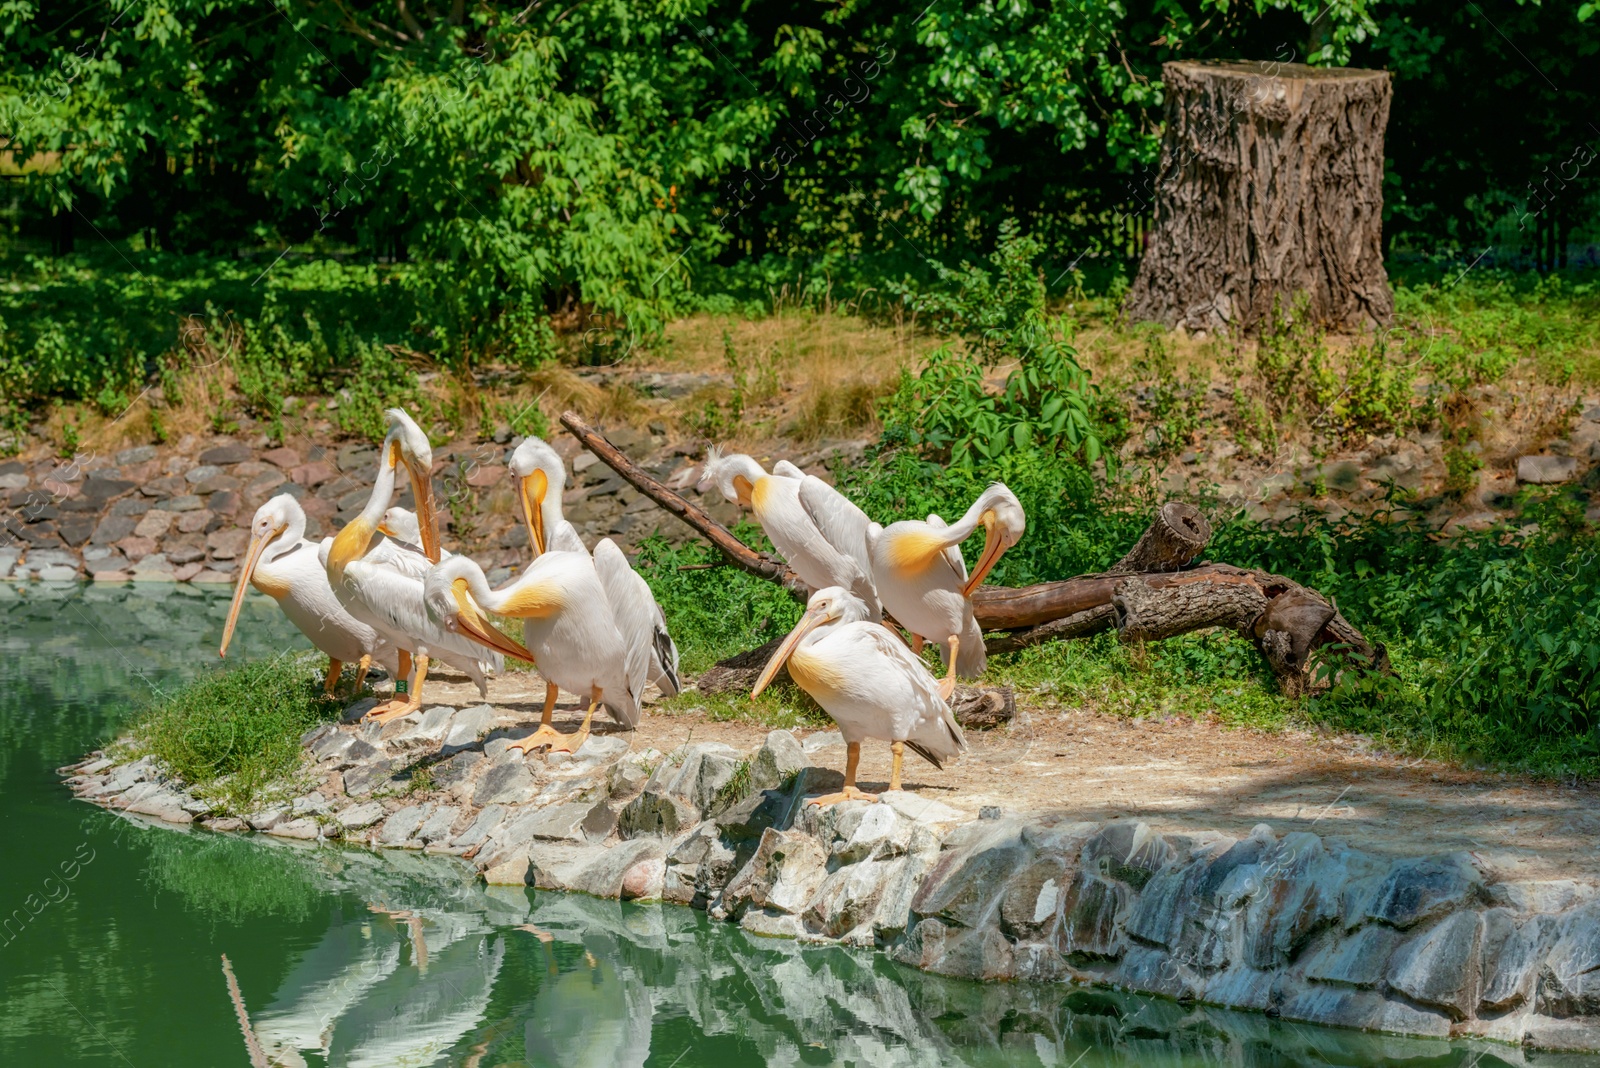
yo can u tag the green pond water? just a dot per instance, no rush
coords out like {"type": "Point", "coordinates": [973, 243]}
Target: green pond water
{"type": "Point", "coordinates": [114, 930]}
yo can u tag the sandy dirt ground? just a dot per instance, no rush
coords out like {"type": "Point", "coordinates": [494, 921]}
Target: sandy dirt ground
{"type": "Point", "coordinates": [1180, 773]}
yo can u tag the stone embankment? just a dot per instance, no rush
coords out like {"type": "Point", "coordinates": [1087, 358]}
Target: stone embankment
{"type": "Point", "coordinates": [1299, 926]}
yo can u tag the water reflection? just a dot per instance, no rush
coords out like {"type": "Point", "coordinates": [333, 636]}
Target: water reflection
{"type": "Point", "coordinates": [421, 965]}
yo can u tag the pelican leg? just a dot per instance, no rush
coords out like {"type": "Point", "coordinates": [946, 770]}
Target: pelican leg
{"type": "Point", "coordinates": [849, 793]}
{"type": "Point", "coordinates": [408, 692]}
{"type": "Point", "coordinates": [329, 684]}
{"type": "Point", "coordinates": [583, 731]}
{"type": "Point", "coordinates": [899, 751]}
{"type": "Point", "coordinates": [546, 735]}
{"type": "Point", "coordinates": [361, 672]}
{"type": "Point", "coordinates": [947, 685]}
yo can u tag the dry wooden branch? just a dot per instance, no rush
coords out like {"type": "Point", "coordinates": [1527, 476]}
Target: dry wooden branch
{"type": "Point", "coordinates": [759, 564]}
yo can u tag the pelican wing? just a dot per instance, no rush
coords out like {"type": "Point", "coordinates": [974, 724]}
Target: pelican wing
{"type": "Point", "coordinates": [392, 603]}
{"type": "Point", "coordinates": [564, 539]}
{"type": "Point", "coordinates": [638, 619]}
{"type": "Point", "coordinates": [938, 736]}
{"type": "Point", "coordinates": [785, 469]}
{"type": "Point", "coordinates": [841, 522]}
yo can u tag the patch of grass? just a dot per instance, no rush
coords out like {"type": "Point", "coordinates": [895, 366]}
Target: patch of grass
{"type": "Point", "coordinates": [234, 734]}
{"type": "Point", "coordinates": [782, 706]}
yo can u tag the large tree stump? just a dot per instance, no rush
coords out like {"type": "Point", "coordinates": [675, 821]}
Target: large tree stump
{"type": "Point", "coordinates": [1270, 186]}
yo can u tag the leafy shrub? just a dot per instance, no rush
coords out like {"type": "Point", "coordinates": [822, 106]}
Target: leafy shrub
{"type": "Point", "coordinates": [948, 410]}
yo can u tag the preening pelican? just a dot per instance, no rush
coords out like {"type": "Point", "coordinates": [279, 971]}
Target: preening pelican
{"type": "Point", "coordinates": [922, 580]}
{"type": "Point", "coordinates": [869, 682]}
{"type": "Point", "coordinates": [541, 478]}
{"type": "Point", "coordinates": [380, 582]}
{"type": "Point", "coordinates": [812, 525]}
{"type": "Point", "coordinates": [570, 631]}
{"type": "Point", "coordinates": [282, 563]}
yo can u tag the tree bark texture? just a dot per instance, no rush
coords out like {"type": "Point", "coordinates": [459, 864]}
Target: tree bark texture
{"type": "Point", "coordinates": [1151, 593]}
{"type": "Point", "coordinates": [1270, 186]}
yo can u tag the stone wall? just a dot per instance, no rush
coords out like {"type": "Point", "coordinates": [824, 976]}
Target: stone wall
{"type": "Point", "coordinates": [1300, 927]}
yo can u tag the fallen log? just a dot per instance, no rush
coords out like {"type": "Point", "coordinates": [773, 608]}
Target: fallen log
{"type": "Point", "coordinates": [1156, 591]}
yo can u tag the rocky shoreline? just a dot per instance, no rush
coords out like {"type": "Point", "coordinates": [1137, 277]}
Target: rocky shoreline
{"type": "Point", "coordinates": [1300, 926]}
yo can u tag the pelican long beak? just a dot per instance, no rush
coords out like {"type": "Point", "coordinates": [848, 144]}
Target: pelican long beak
{"type": "Point", "coordinates": [251, 559]}
{"type": "Point", "coordinates": [808, 622]}
{"type": "Point", "coordinates": [992, 548]}
{"type": "Point", "coordinates": [534, 488]}
{"type": "Point", "coordinates": [428, 527]}
{"type": "Point", "coordinates": [473, 624]}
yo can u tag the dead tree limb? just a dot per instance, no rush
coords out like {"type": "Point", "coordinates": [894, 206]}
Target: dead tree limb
{"type": "Point", "coordinates": [759, 564]}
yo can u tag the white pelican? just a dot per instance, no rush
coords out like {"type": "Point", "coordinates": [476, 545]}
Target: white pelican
{"type": "Point", "coordinates": [570, 630]}
{"type": "Point", "coordinates": [922, 580]}
{"type": "Point", "coordinates": [813, 526]}
{"type": "Point", "coordinates": [869, 682]}
{"type": "Point", "coordinates": [380, 582]}
{"type": "Point", "coordinates": [541, 477]}
{"type": "Point", "coordinates": [282, 563]}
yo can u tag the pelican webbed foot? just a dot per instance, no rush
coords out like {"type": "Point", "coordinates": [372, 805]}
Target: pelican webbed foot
{"type": "Point", "coordinates": [547, 737]}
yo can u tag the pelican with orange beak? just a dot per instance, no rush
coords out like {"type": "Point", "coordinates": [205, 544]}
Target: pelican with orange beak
{"type": "Point", "coordinates": [564, 600]}
{"type": "Point", "coordinates": [379, 581]}
{"type": "Point", "coordinates": [541, 478]}
{"type": "Point", "coordinates": [282, 563]}
{"type": "Point", "coordinates": [818, 530]}
{"type": "Point", "coordinates": [870, 683]}
{"type": "Point", "coordinates": [922, 579]}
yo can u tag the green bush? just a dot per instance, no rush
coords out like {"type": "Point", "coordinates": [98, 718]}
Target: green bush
{"type": "Point", "coordinates": [948, 410]}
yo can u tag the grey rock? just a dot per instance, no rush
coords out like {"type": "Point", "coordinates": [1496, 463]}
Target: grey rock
{"type": "Point", "coordinates": [467, 726]}
{"type": "Point", "coordinates": [707, 768]}
{"type": "Point", "coordinates": [1546, 470]}
{"type": "Point", "coordinates": [478, 831]}
{"type": "Point", "coordinates": [1569, 979]}
{"type": "Point", "coordinates": [267, 818]}
{"type": "Point", "coordinates": [202, 473]}
{"type": "Point", "coordinates": [1511, 955]}
{"type": "Point", "coordinates": [357, 817]}
{"type": "Point", "coordinates": [1090, 910]}
{"type": "Point", "coordinates": [1127, 851]}
{"type": "Point", "coordinates": [224, 455]}
{"type": "Point", "coordinates": [1418, 890]}
{"type": "Point", "coordinates": [304, 829]}
{"type": "Point", "coordinates": [655, 812]}
{"type": "Point", "coordinates": [506, 783]}
{"type": "Point", "coordinates": [402, 825]}
{"type": "Point", "coordinates": [1358, 961]}
{"type": "Point", "coordinates": [364, 779]}
{"type": "Point", "coordinates": [1439, 967]}
{"type": "Point", "coordinates": [781, 876]}
{"type": "Point", "coordinates": [112, 528]}
{"type": "Point", "coordinates": [137, 455]}
{"type": "Point", "coordinates": [778, 760]}
{"type": "Point", "coordinates": [963, 887]}
{"type": "Point", "coordinates": [456, 770]}
{"type": "Point", "coordinates": [58, 573]}
{"type": "Point", "coordinates": [436, 828]}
